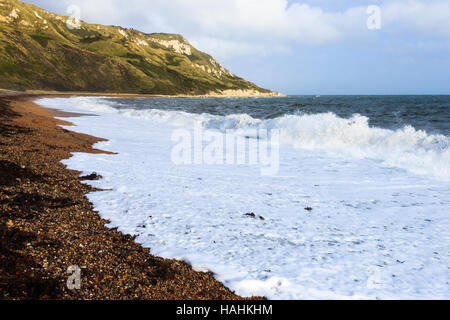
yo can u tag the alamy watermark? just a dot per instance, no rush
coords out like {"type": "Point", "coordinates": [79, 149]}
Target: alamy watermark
{"type": "Point", "coordinates": [74, 279]}
{"type": "Point", "coordinates": [74, 20]}
{"type": "Point", "coordinates": [255, 147]}
{"type": "Point", "coordinates": [378, 279]}
{"type": "Point", "coordinates": [374, 19]}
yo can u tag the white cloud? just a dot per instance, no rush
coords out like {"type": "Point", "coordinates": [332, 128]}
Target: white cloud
{"type": "Point", "coordinates": [426, 17]}
{"type": "Point", "coordinates": [252, 20]}
{"type": "Point", "coordinates": [227, 27]}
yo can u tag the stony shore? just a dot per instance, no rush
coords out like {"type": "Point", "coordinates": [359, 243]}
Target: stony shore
{"type": "Point", "coordinates": [47, 224]}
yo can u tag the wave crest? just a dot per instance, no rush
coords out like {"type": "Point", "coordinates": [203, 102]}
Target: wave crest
{"type": "Point", "coordinates": [406, 148]}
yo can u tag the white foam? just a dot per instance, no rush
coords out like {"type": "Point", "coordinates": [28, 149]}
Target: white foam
{"type": "Point", "coordinates": [376, 231]}
{"type": "Point", "coordinates": [406, 148]}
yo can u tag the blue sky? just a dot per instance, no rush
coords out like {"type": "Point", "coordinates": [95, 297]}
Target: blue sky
{"type": "Point", "coordinates": [302, 47]}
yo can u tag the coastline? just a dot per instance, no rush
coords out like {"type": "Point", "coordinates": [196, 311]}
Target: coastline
{"type": "Point", "coordinates": [48, 224]}
{"type": "Point", "coordinates": [225, 94]}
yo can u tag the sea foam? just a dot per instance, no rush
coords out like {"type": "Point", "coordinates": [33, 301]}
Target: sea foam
{"type": "Point", "coordinates": [372, 230]}
{"type": "Point", "coordinates": [406, 148]}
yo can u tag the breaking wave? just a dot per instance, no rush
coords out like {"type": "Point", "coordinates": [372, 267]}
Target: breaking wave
{"type": "Point", "coordinates": [413, 150]}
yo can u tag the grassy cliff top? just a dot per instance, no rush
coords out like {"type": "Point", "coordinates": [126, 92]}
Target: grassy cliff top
{"type": "Point", "coordinates": [40, 50]}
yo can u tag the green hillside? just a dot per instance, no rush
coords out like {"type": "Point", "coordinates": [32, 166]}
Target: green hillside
{"type": "Point", "coordinates": [39, 51]}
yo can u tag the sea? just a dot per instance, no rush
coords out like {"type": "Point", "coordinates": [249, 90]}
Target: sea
{"type": "Point", "coordinates": [297, 197]}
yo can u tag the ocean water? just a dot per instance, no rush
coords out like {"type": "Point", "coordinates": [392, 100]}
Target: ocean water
{"type": "Point", "coordinates": [373, 173]}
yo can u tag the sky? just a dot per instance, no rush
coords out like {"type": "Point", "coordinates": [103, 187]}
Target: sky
{"type": "Point", "coordinates": [301, 47]}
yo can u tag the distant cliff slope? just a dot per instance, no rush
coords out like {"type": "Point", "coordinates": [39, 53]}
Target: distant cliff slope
{"type": "Point", "coordinates": [40, 51]}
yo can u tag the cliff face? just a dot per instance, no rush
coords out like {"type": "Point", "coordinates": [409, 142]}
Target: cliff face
{"type": "Point", "coordinates": [42, 51]}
